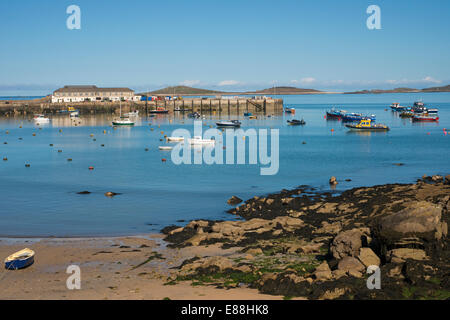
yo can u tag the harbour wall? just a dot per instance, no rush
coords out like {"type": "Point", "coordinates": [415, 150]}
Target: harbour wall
{"type": "Point", "coordinates": [201, 105]}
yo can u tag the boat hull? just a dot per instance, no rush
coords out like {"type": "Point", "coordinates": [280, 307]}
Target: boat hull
{"type": "Point", "coordinates": [158, 111]}
{"type": "Point", "coordinates": [20, 259]}
{"type": "Point", "coordinates": [355, 128]}
{"type": "Point", "coordinates": [423, 119]}
{"type": "Point", "coordinates": [123, 124]}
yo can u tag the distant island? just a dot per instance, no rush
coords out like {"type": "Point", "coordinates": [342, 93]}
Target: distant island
{"type": "Point", "coordinates": [190, 91]}
{"type": "Point", "coordinates": [402, 90]}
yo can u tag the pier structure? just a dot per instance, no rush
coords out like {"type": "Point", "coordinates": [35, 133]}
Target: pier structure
{"type": "Point", "coordinates": [231, 106]}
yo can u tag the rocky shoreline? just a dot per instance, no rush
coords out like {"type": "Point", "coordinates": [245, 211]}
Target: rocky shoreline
{"type": "Point", "coordinates": [318, 245]}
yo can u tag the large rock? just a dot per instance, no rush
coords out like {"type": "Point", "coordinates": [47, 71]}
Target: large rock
{"type": "Point", "coordinates": [447, 179]}
{"type": "Point", "coordinates": [351, 266]}
{"type": "Point", "coordinates": [419, 219]}
{"type": "Point", "coordinates": [234, 200]}
{"type": "Point", "coordinates": [323, 272]}
{"type": "Point", "coordinates": [347, 243]}
{"type": "Point", "coordinates": [368, 257]}
{"type": "Point", "coordinates": [402, 254]}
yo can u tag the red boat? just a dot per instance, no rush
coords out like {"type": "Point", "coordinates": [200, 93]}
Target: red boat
{"type": "Point", "coordinates": [425, 118]}
{"type": "Point", "coordinates": [159, 110]}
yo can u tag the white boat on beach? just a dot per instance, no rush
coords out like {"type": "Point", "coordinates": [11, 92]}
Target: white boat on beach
{"type": "Point", "coordinates": [199, 140]}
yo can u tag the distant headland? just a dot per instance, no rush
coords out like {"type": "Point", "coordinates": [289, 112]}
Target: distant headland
{"type": "Point", "coordinates": [190, 91]}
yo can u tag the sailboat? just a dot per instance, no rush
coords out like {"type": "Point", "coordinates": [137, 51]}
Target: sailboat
{"type": "Point", "coordinates": [122, 121]}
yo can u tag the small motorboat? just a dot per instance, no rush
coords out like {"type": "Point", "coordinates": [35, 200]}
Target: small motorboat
{"type": "Point", "coordinates": [352, 117]}
{"type": "Point", "coordinates": [175, 139]}
{"type": "Point", "coordinates": [432, 110]}
{"type": "Point", "coordinates": [194, 115]}
{"type": "Point", "coordinates": [232, 123]}
{"type": "Point", "coordinates": [159, 110]}
{"type": "Point", "coordinates": [134, 113]}
{"type": "Point", "coordinates": [335, 114]}
{"type": "Point", "coordinates": [289, 110]}
{"type": "Point", "coordinates": [424, 118]}
{"type": "Point", "coordinates": [247, 114]}
{"type": "Point", "coordinates": [75, 114]}
{"type": "Point", "coordinates": [367, 125]}
{"type": "Point", "coordinates": [253, 117]}
{"type": "Point", "coordinates": [19, 260]}
{"type": "Point", "coordinates": [123, 121]}
{"type": "Point", "coordinates": [295, 122]}
{"type": "Point", "coordinates": [165, 148]}
{"type": "Point", "coordinates": [406, 114]}
{"type": "Point", "coordinates": [41, 118]}
{"type": "Point", "coordinates": [199, 140]}
{"type": "Point", "coordinates": [397, 107]}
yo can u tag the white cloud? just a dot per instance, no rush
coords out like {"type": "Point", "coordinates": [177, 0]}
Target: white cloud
{"type": "Point", "coordinates": [431, 79]}
{"type": "Point", "coordinates": [228, 83]}
{"type": "Point", "coordinates": [308, 80]}
{"type": "Point", "coordinates": [190, 83]}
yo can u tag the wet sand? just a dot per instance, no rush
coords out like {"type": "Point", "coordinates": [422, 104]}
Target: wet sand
{"type": "Point", "coordinates": [108, 270]}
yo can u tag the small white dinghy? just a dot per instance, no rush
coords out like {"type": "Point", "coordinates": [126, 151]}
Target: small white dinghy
{"type": "Point", "coordinates": [165, 148]}
{"type": "Point", "coordinates": [175, 139]}
{"type": "Point", "coordinates": [200, 140]}
{"type": "Point", "coordinates": [41, 118]}
{"type": "Point", "coordinates": [19, 260]}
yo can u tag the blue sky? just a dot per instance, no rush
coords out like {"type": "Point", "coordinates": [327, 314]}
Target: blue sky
{"type": "Point", "coordinates": [227, 45]}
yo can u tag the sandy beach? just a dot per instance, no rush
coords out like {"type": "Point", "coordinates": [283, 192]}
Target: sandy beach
{"type": "Point", "coordinates": [107, 270]}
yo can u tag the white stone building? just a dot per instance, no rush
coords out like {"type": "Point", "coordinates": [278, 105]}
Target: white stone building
{"type": "Point", "coordinates": [93, 93]}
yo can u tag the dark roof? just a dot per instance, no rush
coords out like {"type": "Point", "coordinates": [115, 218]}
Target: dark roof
{"type": "Point", "coordinates": [91, 88]}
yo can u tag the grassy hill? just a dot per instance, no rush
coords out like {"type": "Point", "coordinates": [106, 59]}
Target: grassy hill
{"type": "Point", "coordinates": [437, 89]}
{"type": "Point", "coordinates": [183, 90]}
{"type": "Point", "coordinates": [285, 90]}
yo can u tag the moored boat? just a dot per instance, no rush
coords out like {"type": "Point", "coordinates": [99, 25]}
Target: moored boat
{"type": "Point", "coordinates": [289, 110]}
{"type": "Point", "coordinates": [200, 140]}
{"type": "Point", "coordinates": [352, 117]}
{"type": "Point", "coordinates": [159, 110]}
{"type": "Point", "coordinates": [232, 123]}
{"type": "Point", "coordinates": [123, 121]}
{"type": "Point", "coordinates": [424, 118]}
{"type": "Point", "coordinates": [397, 107]}
{"type": "Point", "coordinates": [20, 259]}
{"type": "Point", "coordinates": [134, 113]}
{"type": "Point", "coordinates": [175, 139]}
{"type": "Point", "coordinates": [247, 114]}
{"type": "Point", "coordinates": [194, 115]}
{"type": "Point", "coordinates": [335, 114]}
{"type": "Point", "coordinates": [367, 125]}
{"type": "Point", "coordinates": [41, 118]}
{"type": "Point", "coordinates": [407, 114]}
{"type": "Point", "coordinates": [165, 148]}
{"type": "Point", "coordinates": [295, 122]}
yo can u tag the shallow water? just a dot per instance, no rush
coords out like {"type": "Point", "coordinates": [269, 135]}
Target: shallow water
{"type": "Point", "coordinates": [42, 200]}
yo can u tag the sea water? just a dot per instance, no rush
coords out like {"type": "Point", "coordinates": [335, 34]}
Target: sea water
{"type": "Point", "coordinates": [42, 200]}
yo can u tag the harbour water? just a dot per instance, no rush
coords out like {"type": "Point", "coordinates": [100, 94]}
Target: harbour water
{"type": "Point", "coordinates": [42, 200]}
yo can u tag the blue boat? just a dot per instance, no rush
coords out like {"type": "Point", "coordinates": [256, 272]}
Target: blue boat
{"type": "Point", "coordinates": [247, 114]}
{"type": "Point", "coordinates": [335, 114]}
{"type": "Point", "coordinates": [352, 117]}
{"type": "Point", "coordinates": [19, 260]}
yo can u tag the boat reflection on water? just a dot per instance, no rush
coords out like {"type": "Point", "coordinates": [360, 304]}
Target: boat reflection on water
{"type": "Point", "coordinates": [366, 133]}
